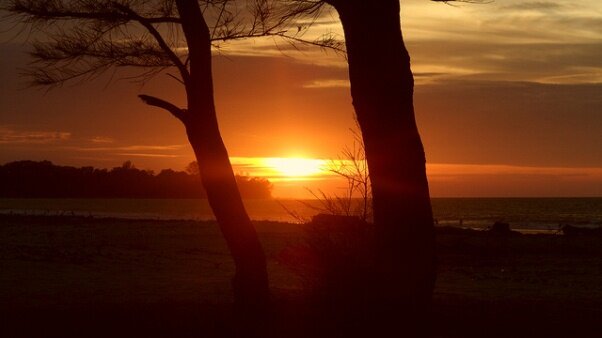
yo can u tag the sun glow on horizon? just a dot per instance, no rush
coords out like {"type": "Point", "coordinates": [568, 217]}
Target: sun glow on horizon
{"type": "Point", "coordinates": [283, 168]}
{"type": "Point", "coordinates": [295, 167]}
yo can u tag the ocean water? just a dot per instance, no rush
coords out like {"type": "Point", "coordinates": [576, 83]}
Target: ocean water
{"type": "Point", "coordinates": [543, 214]}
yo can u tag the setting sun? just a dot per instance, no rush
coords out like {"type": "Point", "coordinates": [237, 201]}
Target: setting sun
{"type": "Point", "coordinates": [282, 168]}
{"type": "Point", "coordinates": [292, 177]}
{"type": "Point", "coordinates": [295, 167]}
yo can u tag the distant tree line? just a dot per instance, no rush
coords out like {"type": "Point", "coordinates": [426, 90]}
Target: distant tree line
{"type": "Point", "coordinates": [31, 179]}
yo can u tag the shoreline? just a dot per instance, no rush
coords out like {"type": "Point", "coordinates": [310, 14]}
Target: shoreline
{"type": "Point", "coordinates": [548, 214]}
{"type": "Point", "coordinates": [73, 216]}
{"type": "Point", "coordinates": [173, 277]}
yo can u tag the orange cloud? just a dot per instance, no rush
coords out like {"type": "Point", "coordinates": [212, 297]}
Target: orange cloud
{"type": "Point", "coordinates": [11, 136]}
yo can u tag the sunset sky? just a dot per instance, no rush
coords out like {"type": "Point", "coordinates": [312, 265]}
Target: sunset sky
{"type": "Point", "coordinates": [508, 102]}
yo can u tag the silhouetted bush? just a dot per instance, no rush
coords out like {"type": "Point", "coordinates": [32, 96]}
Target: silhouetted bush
{"type": "Point", "coordinates": [337, 264]}
{"type": "Point", "coordinates": [353, 168]}
{"type": "Point", "coordinates": [30, 179]}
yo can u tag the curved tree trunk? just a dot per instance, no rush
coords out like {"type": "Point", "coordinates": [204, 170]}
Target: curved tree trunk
{"type": "Point", "coordinates": [382, 88]}
{"type": "Point", "coordinates": [250, 283]}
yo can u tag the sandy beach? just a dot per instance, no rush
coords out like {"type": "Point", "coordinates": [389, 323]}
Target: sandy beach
{"type": "Point", "coordinates": [77, 276]}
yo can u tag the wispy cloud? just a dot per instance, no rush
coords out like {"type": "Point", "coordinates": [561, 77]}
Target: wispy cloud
{"type": "Point", "coordinates": [436, 171]}
{"type": "Point", "coordinates": [13, 136]}
{"type": "Point", "coordinates": [534, 5]}
{"type": "Point", "coordinates": [130, 148]}
{"type": "Point", "coordinates": [331, 83]}
{"type": "Point", "coordinates": [102, 140]}
{"type": "Point", "coordinates": [152, 147]}
{"type": "Point", "coordinates": [474, 180]}
{"type": "Point", "coordinates": [560, 63]}
{"type": "Point", "coordinates": [544, 41]}
{"type": "Point", "coordinates": [147, 155]}
{"type": "Point", "coordinates": [117, 152]}
{"type": "Point", "coordinates": [534, 41]}
{"type": "Point", "coordinates": [278, 48]}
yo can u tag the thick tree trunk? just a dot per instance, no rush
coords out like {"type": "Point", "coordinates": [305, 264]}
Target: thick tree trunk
{"type": "Point", "coordinates": [250, 283]}
{"type": "Point", "coordinates": [382, 87]}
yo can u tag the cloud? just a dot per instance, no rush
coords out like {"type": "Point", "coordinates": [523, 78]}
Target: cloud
{"type": "Point", "coordinates": [131, 148]}
{"type": "Point", "coordinates": [152, 147]}
{"type": "Point", "coordinates": [536, 41]}
{"type": "Point", "coordinates": [332, 83]}
{"type": "Point", "coordinates": [279, 48]}
{"type": "Point", "coordinates": [436, 171]}
{"type": "Point", "coordinates": [11, 136]}
{"type": "Point", "coordinates": [539, 62]}
{"type": "Point", "coordinates": [102, 139]}
{"type": "Point", "coordinates": [147, 155]}
{"type": "Point", "coordinates": [534, 5]}
{"type": "Point", "coordinates": [470, 180]}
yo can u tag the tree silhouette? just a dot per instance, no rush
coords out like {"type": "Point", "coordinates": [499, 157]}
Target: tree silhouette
{"type": "Point", "coordinates": [30, 179]}
{"type": "Point", "coordinates": [382, 91]}
{"type": "Point", "coordinates": [382, 87]}
{"type": "Point", "coordinates": [86, 37]}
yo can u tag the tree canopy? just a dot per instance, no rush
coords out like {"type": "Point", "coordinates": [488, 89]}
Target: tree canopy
{"type": "Point", "coordinates": [81, 39]}
{"type": "Point", "coordinates": [43, 179]}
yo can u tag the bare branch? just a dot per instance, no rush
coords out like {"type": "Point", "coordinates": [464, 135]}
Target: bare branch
{"type": "Point", "coordinates": [43, 10]}
{"type": "Point", "coordinates": [179, 113]}
{"type": "Point", "coordinates": [155, 33]}
{"type": "Point", "coordinates": [84, 38]}
{"type": "Point", "coordinates": [175, 78]}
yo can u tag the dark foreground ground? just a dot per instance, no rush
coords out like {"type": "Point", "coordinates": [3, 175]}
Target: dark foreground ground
{"type": "Point", "coordinates": [77, 277]}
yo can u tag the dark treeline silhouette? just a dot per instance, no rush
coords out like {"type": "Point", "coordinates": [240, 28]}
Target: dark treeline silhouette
{"type": "Point", "coordinates": [31, 179]}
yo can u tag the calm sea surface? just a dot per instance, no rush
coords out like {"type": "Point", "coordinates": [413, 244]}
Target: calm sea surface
{"type": "Point", "coordinates": [521, 213]}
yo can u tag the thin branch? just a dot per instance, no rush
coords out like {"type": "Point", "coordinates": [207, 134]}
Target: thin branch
{"type": "Point", "coordinates": [155, 33]}
{"type": "Point", "coordinates": [175, 78]}
{"type": "Point", "coordinates": [179, 113]}
{"type": "Point", "coordinates": [46, 11]}
{"type": "Point", "coordinates": [219, 17]}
